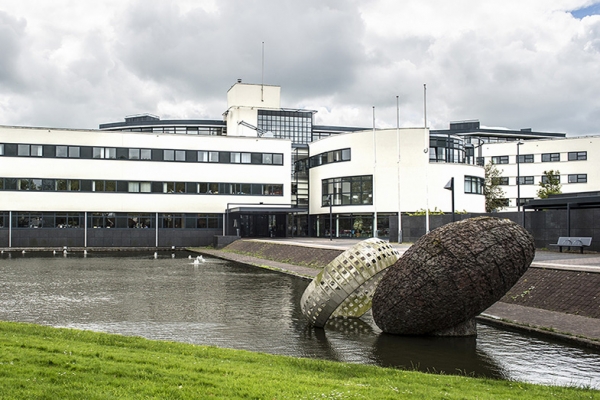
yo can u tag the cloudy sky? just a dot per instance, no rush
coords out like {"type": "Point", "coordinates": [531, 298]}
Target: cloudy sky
{"type": "Point", "coordinates": [510, 63]}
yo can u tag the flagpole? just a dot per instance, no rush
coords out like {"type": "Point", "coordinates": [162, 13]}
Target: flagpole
{"type": "Point", "coordinates": [398, 152]}
{"type": "Point", "coordinates": [374, 178]}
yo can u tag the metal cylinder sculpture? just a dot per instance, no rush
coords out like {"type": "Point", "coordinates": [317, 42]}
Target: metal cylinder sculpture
{"type": "Point", "coordinates": [346, 285]}
{"type": "Point", "coordinates": [451, 275]}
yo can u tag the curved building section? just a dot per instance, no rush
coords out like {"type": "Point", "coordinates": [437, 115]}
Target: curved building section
{"type": "Point", "coordinates": [386, 171]}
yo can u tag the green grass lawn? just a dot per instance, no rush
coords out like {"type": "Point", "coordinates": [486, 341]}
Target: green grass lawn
{"type": "Point", "coordinates": [38, 362]}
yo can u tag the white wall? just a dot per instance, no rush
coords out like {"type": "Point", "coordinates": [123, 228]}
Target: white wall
{"type": "Point", "coordinates": [243, 102]}
{"type": "Point", "coordinates": [421, 183]}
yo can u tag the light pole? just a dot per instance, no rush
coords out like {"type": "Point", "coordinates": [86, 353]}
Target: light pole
{"type": "Point", "coordinates": [450, 186]}
{"type": "Point", "coordinates": [519, 143]}
{"type": "Point", "coordinates": [330, 217]}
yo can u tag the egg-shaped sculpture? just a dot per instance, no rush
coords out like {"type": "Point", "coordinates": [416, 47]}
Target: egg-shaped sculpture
{"type": "Point", "coordinates": [451, 275]}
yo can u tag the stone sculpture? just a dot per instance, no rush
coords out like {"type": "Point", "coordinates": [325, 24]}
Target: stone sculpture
{"type": "Point", "coordinates": [346, 285]}
{"type": "Point", "coordinates": [451, 275]}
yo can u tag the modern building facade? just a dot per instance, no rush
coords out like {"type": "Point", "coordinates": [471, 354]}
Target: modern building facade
{"type": "Point", "coordinates": [523, 165]}
{"type": "Point", "coordinates": [261, 170]}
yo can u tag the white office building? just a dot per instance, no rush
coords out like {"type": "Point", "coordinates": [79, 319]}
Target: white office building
{"type": "Point", "coordinates": [260, 170]}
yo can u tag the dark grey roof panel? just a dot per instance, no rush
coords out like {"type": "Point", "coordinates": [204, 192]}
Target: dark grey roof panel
{"type": "Point", "coordinates": [165, 122]}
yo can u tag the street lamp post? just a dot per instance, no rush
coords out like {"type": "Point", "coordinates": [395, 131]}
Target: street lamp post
{"type": "Point", "coordinates": [330, 217]}
{"type": "Point", "coordinates": [519, 143]}
{"type": "Point", "coordinates": [450, 186]}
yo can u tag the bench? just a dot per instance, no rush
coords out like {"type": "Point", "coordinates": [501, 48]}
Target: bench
{"type": "Point", "coordinates": [580, 242]}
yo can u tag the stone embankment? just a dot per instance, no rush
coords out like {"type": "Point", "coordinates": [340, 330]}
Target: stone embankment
{"type": "Point", "coordinates": [562, 294]}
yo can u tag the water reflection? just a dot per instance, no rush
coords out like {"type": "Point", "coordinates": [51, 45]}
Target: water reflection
{"type": "Point", "coordinates": [231, 305]}
{"type": "Point", "coordinates": [449, 355]}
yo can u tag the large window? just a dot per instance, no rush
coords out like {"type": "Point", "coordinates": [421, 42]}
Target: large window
{"type": "Point", "coordinates": [74, 151]}
{"type": "Point", "coordinates": [104, 152]}
{"type": "Point", "coordinates": [474, 184]}
{"type": "Point", "coordinates": [286, 124]}
{"type": "Point", "coordinates": [526, 180]}
{"type": "Point", "coordinates": [47, 220]}
{"type": "Point", "coordinates": [67, 185]}
{"type": "Point", "coordinates": [501, 180]}
{"type": "Point", "coordinates": [349, 190]}
{"type": "Point", "coordinates": [577, 178]}
{"type": "Point", "coordinates": [525, 158]}
{"type": "Point", "coordinates": [140, 220]}
{"type": "Point", "coordinates": [550, 157]}
{"type": "Point", "coordinates": [329, 157]}
{"type": "Point", "coordinates": [139, 187]}
{"type": "Point", "coordinates": [500, 160]}
{"type": "Point", "coordinates": [545, 179]}
{"type": "Point", "coordinates": [577, 155]}
{"type": "Point", "coordinates": [33, 150]}
{"type": "Point", "coordinates": [443, 148]}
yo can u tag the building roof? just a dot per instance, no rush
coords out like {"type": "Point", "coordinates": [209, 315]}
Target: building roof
{"type": "Point", "coordinates": [132, 122]}
{"type": "Point", "coordinates": [473, 128]}
{"type": "Point", "coordinates": [572, 200]}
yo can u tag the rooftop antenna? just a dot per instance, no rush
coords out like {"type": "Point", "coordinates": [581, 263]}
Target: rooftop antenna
{"type": "Point", "coordinates": [262, 78]}
{"type": "Point", "coordinates": [425, 104]}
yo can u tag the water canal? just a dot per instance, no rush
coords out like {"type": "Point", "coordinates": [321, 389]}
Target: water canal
{"type": "Point", "coordinates": [231, 305]}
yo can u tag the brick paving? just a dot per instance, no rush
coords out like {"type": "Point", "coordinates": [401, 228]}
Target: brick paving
{"type": "Point", "coordinates": [559, 295]}
{"type": "Point", "coordinates": [565, 291]}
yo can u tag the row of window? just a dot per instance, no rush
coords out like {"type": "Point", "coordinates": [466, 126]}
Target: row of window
{"type": "Point", "coordinates": [329, 157]}
{"type": "Point", "coordinates": [122, 153]}
{"type": "Point", "coordinates": [85, 185]}
{"type": "Point", "coordinates": [530, 180]}
{"type": "Point", "coordinates": [447, 149]}
{"type": "Point", "coordinates": [179, 130]}
{"type": "Point", "coordinates": [545, 157]}
{"type": "Point", "coordinates": [348, 190]}
{"type": "Point", "coordinates": [474, 184]}
{"type": "Point", "coordinates": [110, 220]}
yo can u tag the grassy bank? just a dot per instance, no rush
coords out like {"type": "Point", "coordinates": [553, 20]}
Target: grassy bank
{"type": "Point", "coordinates": [42, 362]}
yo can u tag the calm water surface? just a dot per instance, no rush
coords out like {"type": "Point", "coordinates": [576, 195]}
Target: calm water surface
{"type": "Point", "coordinates": [232, 305]}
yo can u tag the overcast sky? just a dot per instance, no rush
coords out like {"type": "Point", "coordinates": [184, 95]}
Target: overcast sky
{"type": "Point", "coordinates": [510, 63]}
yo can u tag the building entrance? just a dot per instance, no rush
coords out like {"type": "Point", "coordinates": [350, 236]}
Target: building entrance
{"type": "Point", "coordinates": [259, 222]}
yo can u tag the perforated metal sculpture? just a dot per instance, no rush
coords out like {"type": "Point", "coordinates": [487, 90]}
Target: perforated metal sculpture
{"type": "Point", "coordinates": [346, 285]}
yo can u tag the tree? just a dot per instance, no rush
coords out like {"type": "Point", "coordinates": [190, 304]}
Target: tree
{"type": "Point", "coordinates": [494, 195]}
{"type": "Point", "coordinates": [550, 184]}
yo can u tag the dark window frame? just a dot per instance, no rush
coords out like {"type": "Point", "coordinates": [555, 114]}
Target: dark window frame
{"type": "Point", "coordinates": [550, 157]}
{"type": "Point", "coordinates": [577, 156]}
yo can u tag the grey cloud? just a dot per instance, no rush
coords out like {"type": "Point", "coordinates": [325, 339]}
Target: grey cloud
{"type": "Point", "coordinates": [11, 32]}
{"type": "Point", "coordinates": [310, 48]}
